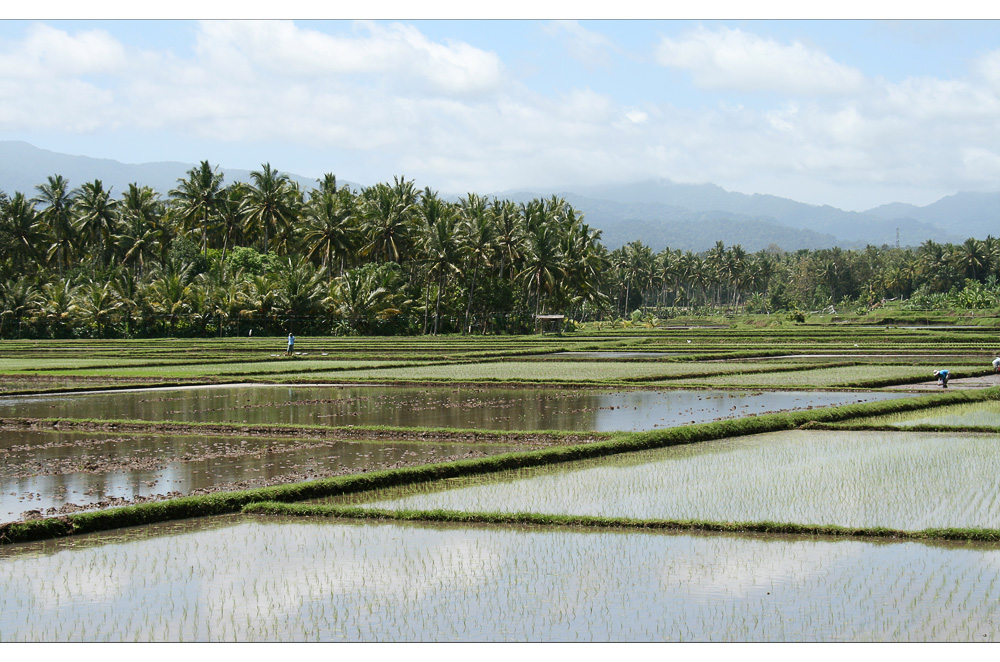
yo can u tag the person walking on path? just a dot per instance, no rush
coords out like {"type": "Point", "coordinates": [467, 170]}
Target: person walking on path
{"type": "Point", "coordinates": [996, 364]}
{"type": "Point", "coordinates": [942, 376]}
{"type": "Point", "coordinates": [291, 344]}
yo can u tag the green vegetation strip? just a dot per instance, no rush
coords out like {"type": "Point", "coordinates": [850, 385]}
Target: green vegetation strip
{"type": "Point", "coordinates": [228, 502]}
{"type": "Point", "coordinates": [535, 519]}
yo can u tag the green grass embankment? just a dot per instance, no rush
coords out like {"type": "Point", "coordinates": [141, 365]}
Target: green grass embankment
{"type": "Point", "coordinates": [585, 521]}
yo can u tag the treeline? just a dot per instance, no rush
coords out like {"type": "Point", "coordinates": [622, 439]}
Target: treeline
{"type": "Point", "coordinates": [211, 258]}
{"type": "Point", "coordinates": [267, 256]}
{"type": "Point", "coordinates": [931, 276]}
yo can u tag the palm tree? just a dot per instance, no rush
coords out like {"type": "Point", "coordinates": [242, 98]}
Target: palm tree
{"type": "Point", "coordinates": [510, 236]}
{"type": "Point", "coordinates": [19, 300]}
{"type": "Point", "coordinates": [97, 305]}
{"type": "Point", "coordinates": [971, 258]}
{"type": "Point", "coordinates": [97, 216]}
{"type": "Point", "coordinates": [57, 215]}
{"type": "Point", "coordinates": [58, 301]}
{"type": "Point", "coordinates": [271, 204]}
{"type": "Point", "coordinates": [197, 198]}
{"type": "Point", "coordinates": [331, 228]}
{"type": "Point", "coordinates": [297, 285]}
{"type": "Point", "coordinates": [389, 212]}
{"type": "Point", "coordinates": [21, 232]}
{"type": "Point", "coordinates": [170, 297]}
{"type": "Point", "coordinates": [543, 263]}
{"type": "Point", "coordinates": [442, 252]}
{"type": "Point", "coordinates": [364, 295]}
{"type": "Point", "coordinates": [477, 236]}
{"type": "Point", "coordinates": [140, 211]}
{"type": "Point", "coordinates": [232, 213]}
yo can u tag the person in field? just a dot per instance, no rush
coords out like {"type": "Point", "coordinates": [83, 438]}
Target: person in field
{"type": "Point", "coordinates": [996, 364]}
{"type": "Point", "coordinates": [942, 376]}
{"type": "Point", "coordinates": [291, 344]}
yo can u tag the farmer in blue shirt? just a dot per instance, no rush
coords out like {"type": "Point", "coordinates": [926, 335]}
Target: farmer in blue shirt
{"type": "Point", "coordinates": [291, 344]}
{"type": "Point", "coordinates": [942, 376]}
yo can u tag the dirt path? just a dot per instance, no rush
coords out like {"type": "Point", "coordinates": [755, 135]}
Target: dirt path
{"type": "Point", "coordinates": [963, 383]}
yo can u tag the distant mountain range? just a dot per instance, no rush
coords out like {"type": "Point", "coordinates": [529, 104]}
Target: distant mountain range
{"type": "Point", "coordinates": [23, 167]}
{"type": "Point", "coordinates": [660, 213]}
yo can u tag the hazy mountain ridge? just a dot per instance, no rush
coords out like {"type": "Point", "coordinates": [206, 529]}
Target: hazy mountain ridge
{"type": "Point", "coordinates": [826, 226]}
{"type": "Point", "coordinates": [660, 213]}
{"type": "Point", "coordinates": [23, 167]}
{"type": "Point", "coordinates": [968, 213]}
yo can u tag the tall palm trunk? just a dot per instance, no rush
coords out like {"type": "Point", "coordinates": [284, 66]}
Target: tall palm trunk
{"type": "Point", "coordinates": [437, 306]}
{"type": "Point", "coordinates": [468, 308]}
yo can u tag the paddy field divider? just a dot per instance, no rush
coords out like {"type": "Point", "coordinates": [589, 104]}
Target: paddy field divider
{"type": "Point", "coordinates": [219, 503]}
{"type": "Point", "coordinates": [587, 521]}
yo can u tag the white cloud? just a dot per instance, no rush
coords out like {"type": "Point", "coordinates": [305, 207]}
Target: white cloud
{"type": "Point", "coordinates": [736, 60]}
{"type": "Point", "coordinates": [591, 48]}
{"type": "Point", "coordinates": [49, 51]}
{"type": "Point", "coordinates": [386, 99]}
{"type": "Point", "coordinates": [400, 52]}
{"type": "Point", "coordinates": [636, 116]}
{"type": "Point", "coordinates": [987, 66]}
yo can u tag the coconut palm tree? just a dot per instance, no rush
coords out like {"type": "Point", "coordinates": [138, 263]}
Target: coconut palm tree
{"type": "Point", "coordinates": [441, 249]}
{"type": "Point", "coordinates": [140, 211]}
{"type": "Point", "coordinates": [21, 233]}
{"type": "Point", "coordinates": [197, 198]}
{"type": "Point", "coordinates": [19, 302]}
{"type": "Point", "coordinates": [231, 217]}
{"type": "Point", "coordinates": [171, 297]}
{"type": "Point", "coordinates": [298, 288]}
{"type": "Point", "coordinates": [389, 214]}
{"type": "Point", "coordinates": [57, 215]}
{"type": "Point", "coordinates": [271, 203]}
{"type": "Point", "coordinates": [331, 229]}
{"type": "Point", "coordinates": [365, 296]}
{"type": "Point", "coordinates": [543, 261]}
{"type": "Point", "coordinates": [58, 306]}
{"type": "Point", "coordinates": [477, 234]}
{"type": "Point", "coordinates": [97, 305]}
{"type": "Point", "coordinates": [97, 217]}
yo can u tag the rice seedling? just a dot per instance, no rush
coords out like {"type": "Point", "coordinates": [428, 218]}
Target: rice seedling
{"type": "Point", "coordinates": [852, 479]}
{"type": "Point", "coordinates": [281, 580]}
{"type": "Point", "coordinates": [965, 415]}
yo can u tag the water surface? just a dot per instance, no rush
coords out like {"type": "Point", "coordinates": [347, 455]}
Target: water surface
{"type": "Point", "coordinates": [901, 480]}
{"type": "Point", "coordinates": [42, 470]}
{"type": "Point", "coordinates": [298, 580]}
{"type": "Point", "coordinates": [435, 406]}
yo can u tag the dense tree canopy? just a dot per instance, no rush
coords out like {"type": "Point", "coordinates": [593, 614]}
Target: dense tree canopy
{"type": "Point", "coordinates": [212, 258]}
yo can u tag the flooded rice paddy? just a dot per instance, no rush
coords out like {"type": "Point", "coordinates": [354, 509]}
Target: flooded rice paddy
{"type": "Point", "coordinates": [59, 472]}
{"type": "Point", "coordinates": [233, 579]}
{"type": "Point", "coordinates": [900, 480]}
{"type": "Point", "coordinates": [972, 414]}
{"type": "Point", "coordinates": [452, 407]}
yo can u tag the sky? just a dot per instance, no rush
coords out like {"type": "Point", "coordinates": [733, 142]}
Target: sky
{"type": "Point", "coordinates": [850, 113]}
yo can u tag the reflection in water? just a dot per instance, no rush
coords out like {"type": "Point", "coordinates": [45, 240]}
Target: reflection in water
{"type": "Point", "coordinates": [901, 480]}
{"type": "Point", "coordinates": [274, 580]}
{"type": "Point", "coordinates": [476, 408]}
{"type": "Point", "coordinates": [48, 469]}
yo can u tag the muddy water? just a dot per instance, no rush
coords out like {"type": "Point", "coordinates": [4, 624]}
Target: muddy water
{"type": "Point", "coordinates": [235, 579]}
{"type": "Point", "coordinates": [43, 470]}
{"type": "Point", "coordinates": [478, 408]}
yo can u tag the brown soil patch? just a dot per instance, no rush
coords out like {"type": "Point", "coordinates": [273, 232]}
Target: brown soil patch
{"type": "Point", "coordinates": [96, 455]}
